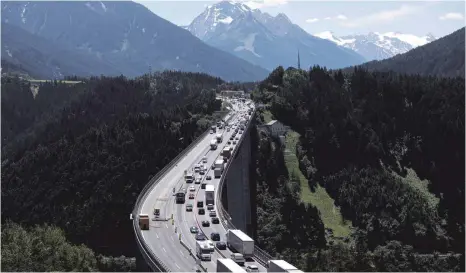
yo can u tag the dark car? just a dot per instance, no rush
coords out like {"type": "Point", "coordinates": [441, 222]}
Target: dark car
{"type": "Point", "coordinates": [221, 245]}
{"type": "Point", "coordinates": [229, 142]}
{"type": "Point", "coordinates": [210, 207]}
{"type": "Point", "coordinates": [194, 229]}
{"type": "Point", "coordinates": [203, 185]}
{"type": "Point", "coordinates": [205, 223]}
{"type": "Point", "coordinates": [213, 213]}
{"type": "Point", "coordinates": [201, 211]}
{"type": "Point", "coordinates": [200, 237]}
{"type": "Point", "coordinates": [215, 236]}
{"type": "Point", "coordinates": [215, 220]}
{"type": "Point", "coordinates": [208, 177]}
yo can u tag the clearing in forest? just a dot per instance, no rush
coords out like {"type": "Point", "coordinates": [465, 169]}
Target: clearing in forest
{"type": "Point", "coordinates": [329, 213]}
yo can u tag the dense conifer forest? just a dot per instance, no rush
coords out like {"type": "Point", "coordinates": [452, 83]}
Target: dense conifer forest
{"type": "Point", "coordinates": [76, 156]}
{"type": "Point", "coordinates": [360, 133]}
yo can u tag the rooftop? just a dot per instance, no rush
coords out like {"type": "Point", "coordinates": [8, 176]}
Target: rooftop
{"type": "Point", "coordinates": [271, 122]}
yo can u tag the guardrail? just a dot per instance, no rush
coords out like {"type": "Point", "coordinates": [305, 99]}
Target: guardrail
{"type": "Point", "coordinates": [152, 260]}
{"type": "Point", "coordinates": [260, 255]}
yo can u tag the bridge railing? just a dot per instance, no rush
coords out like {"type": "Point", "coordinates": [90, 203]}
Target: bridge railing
{"type": "Point", "coordinates": [260, 255]}
{"type": "Point", "coordinates": [149, 256]}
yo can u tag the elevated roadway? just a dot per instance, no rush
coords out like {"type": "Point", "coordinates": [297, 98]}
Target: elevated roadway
{"type": "Point", "coordinates": [169, 238]}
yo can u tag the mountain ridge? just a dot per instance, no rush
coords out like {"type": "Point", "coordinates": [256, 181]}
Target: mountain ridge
{"type": "Point", "coordinates": [127, 35]}
{"type": "Point", "coordinates": [378, 46]}
{"type": "Point", "coordinates": [266, 40]}
{"type": "Point", "coordinates": [443, 57]}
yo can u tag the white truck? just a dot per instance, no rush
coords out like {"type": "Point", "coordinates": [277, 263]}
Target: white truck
{"type": "Point", "coordinates": [218, 168]}
{"type": "Point", "coordinates": [219, 138]}
{"type": "Point", "coordinates": [213, 144]}
{"type": "Point", "coordinates": [203, 251]}
{"type": "Point", "coordinates": [239, 241]}
{"type": "Point", "coordinates": [228, 265]}
{"type": "Point", "coordinates": [209, 194]}
{"type": "Point", "coordinates": [226, 153]}
{"type": "Point", "coordinates": [281, 266]}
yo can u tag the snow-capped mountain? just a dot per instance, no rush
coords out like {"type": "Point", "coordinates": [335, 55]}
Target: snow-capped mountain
{"type": "Point", "coordinates": [378, 46]}
{"type": "Point", "coordinates": [266, 40]}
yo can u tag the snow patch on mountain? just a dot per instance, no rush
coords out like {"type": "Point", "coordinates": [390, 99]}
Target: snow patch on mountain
{"type": "Point", "coordinates": [248, 44]}
{"type": "Point", "coordinates": [378, 46]}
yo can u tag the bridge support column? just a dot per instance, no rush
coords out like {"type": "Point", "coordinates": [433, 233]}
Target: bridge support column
{"type": "Point", "coordinates": [238, 188]}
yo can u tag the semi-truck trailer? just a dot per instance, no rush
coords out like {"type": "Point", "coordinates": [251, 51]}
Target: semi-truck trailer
{"type": "Point", "coordinates": [202, 251]}
{"type": "Point", "coordinates": [226, 153]}
{"type": "Point", "coordinates": [213, 144]}
{"type": "Point", "coordinates": [281, 266]}
{"type": "Point", "coordinates": [239, 241]}
{"type": "Point", "coordinates": [219, 138]}
{"type": "Point", "coordinates": [209, 194]}
{"type": "Point", "coordinates": [218, 168]}
{"type": "Point", "coordinates": [228, 265]}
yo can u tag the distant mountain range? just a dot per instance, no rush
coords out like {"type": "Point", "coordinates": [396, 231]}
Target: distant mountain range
{"type": "Point", "coordinates": [443, 57]}
{"type": "Point", "coordinates": [266, 40]}
{"type": "Point", "coordinates": [378, 46]}
{"type": "Point", "coordinates": [58, 38]}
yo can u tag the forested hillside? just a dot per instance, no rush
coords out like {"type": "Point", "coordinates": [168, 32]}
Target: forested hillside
{"type": "Point", "coordinates": [443, 57]}
{"type": "Point", "coordinates": [77, 156]}
{"type": "Point", "coordinates": [360, 135]}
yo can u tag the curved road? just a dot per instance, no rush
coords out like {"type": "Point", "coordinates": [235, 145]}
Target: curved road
{"type": "Point", "coordinates": [161, 236]}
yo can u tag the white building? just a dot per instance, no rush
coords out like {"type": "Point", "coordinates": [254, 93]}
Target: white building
{"type": "Point", "coordinates": [276, 128]}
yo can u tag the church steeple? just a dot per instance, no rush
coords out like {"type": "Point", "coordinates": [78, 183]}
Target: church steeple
{"type": "Point", "coordinates": [299, 61]}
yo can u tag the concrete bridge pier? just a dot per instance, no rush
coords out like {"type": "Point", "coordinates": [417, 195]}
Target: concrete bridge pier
{"type": "Point", "coordinates": [237, 187]}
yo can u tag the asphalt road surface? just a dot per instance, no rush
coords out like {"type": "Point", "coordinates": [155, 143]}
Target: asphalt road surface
{"type": "Point", "coordinates": [161, 236]}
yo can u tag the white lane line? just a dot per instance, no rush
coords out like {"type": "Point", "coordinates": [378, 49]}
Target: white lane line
{"type": "Point", "coordinates": [164, 249]}
{"type": "Point", "coordinates": [166, 225]}
{"type": "Point", "coordinates": [177, 266]}
{"type": "Point", "coordinates": [157, 235]}
{"type": "Point", "coordinates": [172, 238]}
{"type": "Point", "coordinates": [182, 253]}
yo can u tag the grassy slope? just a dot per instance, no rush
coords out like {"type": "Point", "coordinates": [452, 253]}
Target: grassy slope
{"type": "Point", "coordinates": [329, 214]}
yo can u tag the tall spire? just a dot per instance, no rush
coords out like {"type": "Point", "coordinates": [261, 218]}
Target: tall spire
{"type": "Point", "coordinates": [299, 61]}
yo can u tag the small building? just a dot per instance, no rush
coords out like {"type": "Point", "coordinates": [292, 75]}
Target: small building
{"type": "Point", "coordinates": [231, 94]}
{"type": "Point", "coordinates": [276, 128]}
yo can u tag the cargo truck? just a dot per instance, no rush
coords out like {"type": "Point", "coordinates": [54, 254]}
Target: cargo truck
{"type": "Point", "coordinates": [239, 241]}
{"type": "Point", "coordinates": [209, 194]}
{"type": "Point", "coordinates": [219, 138]}
{"type": "Point", "coordinates": [228, 265]}
{"type": "Point", "coordinates": [213, 144]}
{"type": "Point", "coordinates": [226, 153]}
{"type": "Point", "coordinates": [218, 168]}
{"type": "Point", "coordinates": [281, 266]}
{"type": "Point", "coordinates": [202, 251]}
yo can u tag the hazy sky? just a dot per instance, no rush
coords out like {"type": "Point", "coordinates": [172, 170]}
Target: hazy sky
{"type": "Point", "coordinates": [342, 17]}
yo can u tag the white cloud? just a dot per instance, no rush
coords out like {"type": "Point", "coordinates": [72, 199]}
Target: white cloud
{"type": "Point", "coordinates": [312, 20]}
{"type": "Point", "coordinates": [341, 17]}
{"type": "Point", "coordinates": [256, 4]}
{"type": "Point", "coordinates": [384, 16]}
{"type": "Point", "coordinates": [327, 18]}
{"type": "Point", "coordinates": [452, 16]}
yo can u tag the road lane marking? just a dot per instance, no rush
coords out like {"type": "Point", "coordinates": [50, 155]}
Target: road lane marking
{"type": "Point", "coordinates": [172, 238]}
{"type": "Point", "coordinates": [182, 253]}
{"type": "Point", "coordinates": [157, 235]}
{"type": "Point", "coordinates": [177, 266]}
{"type": "Point", "coordinates": [166, 225]}
{"type": "Point", "coordinates": [164, 249]}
